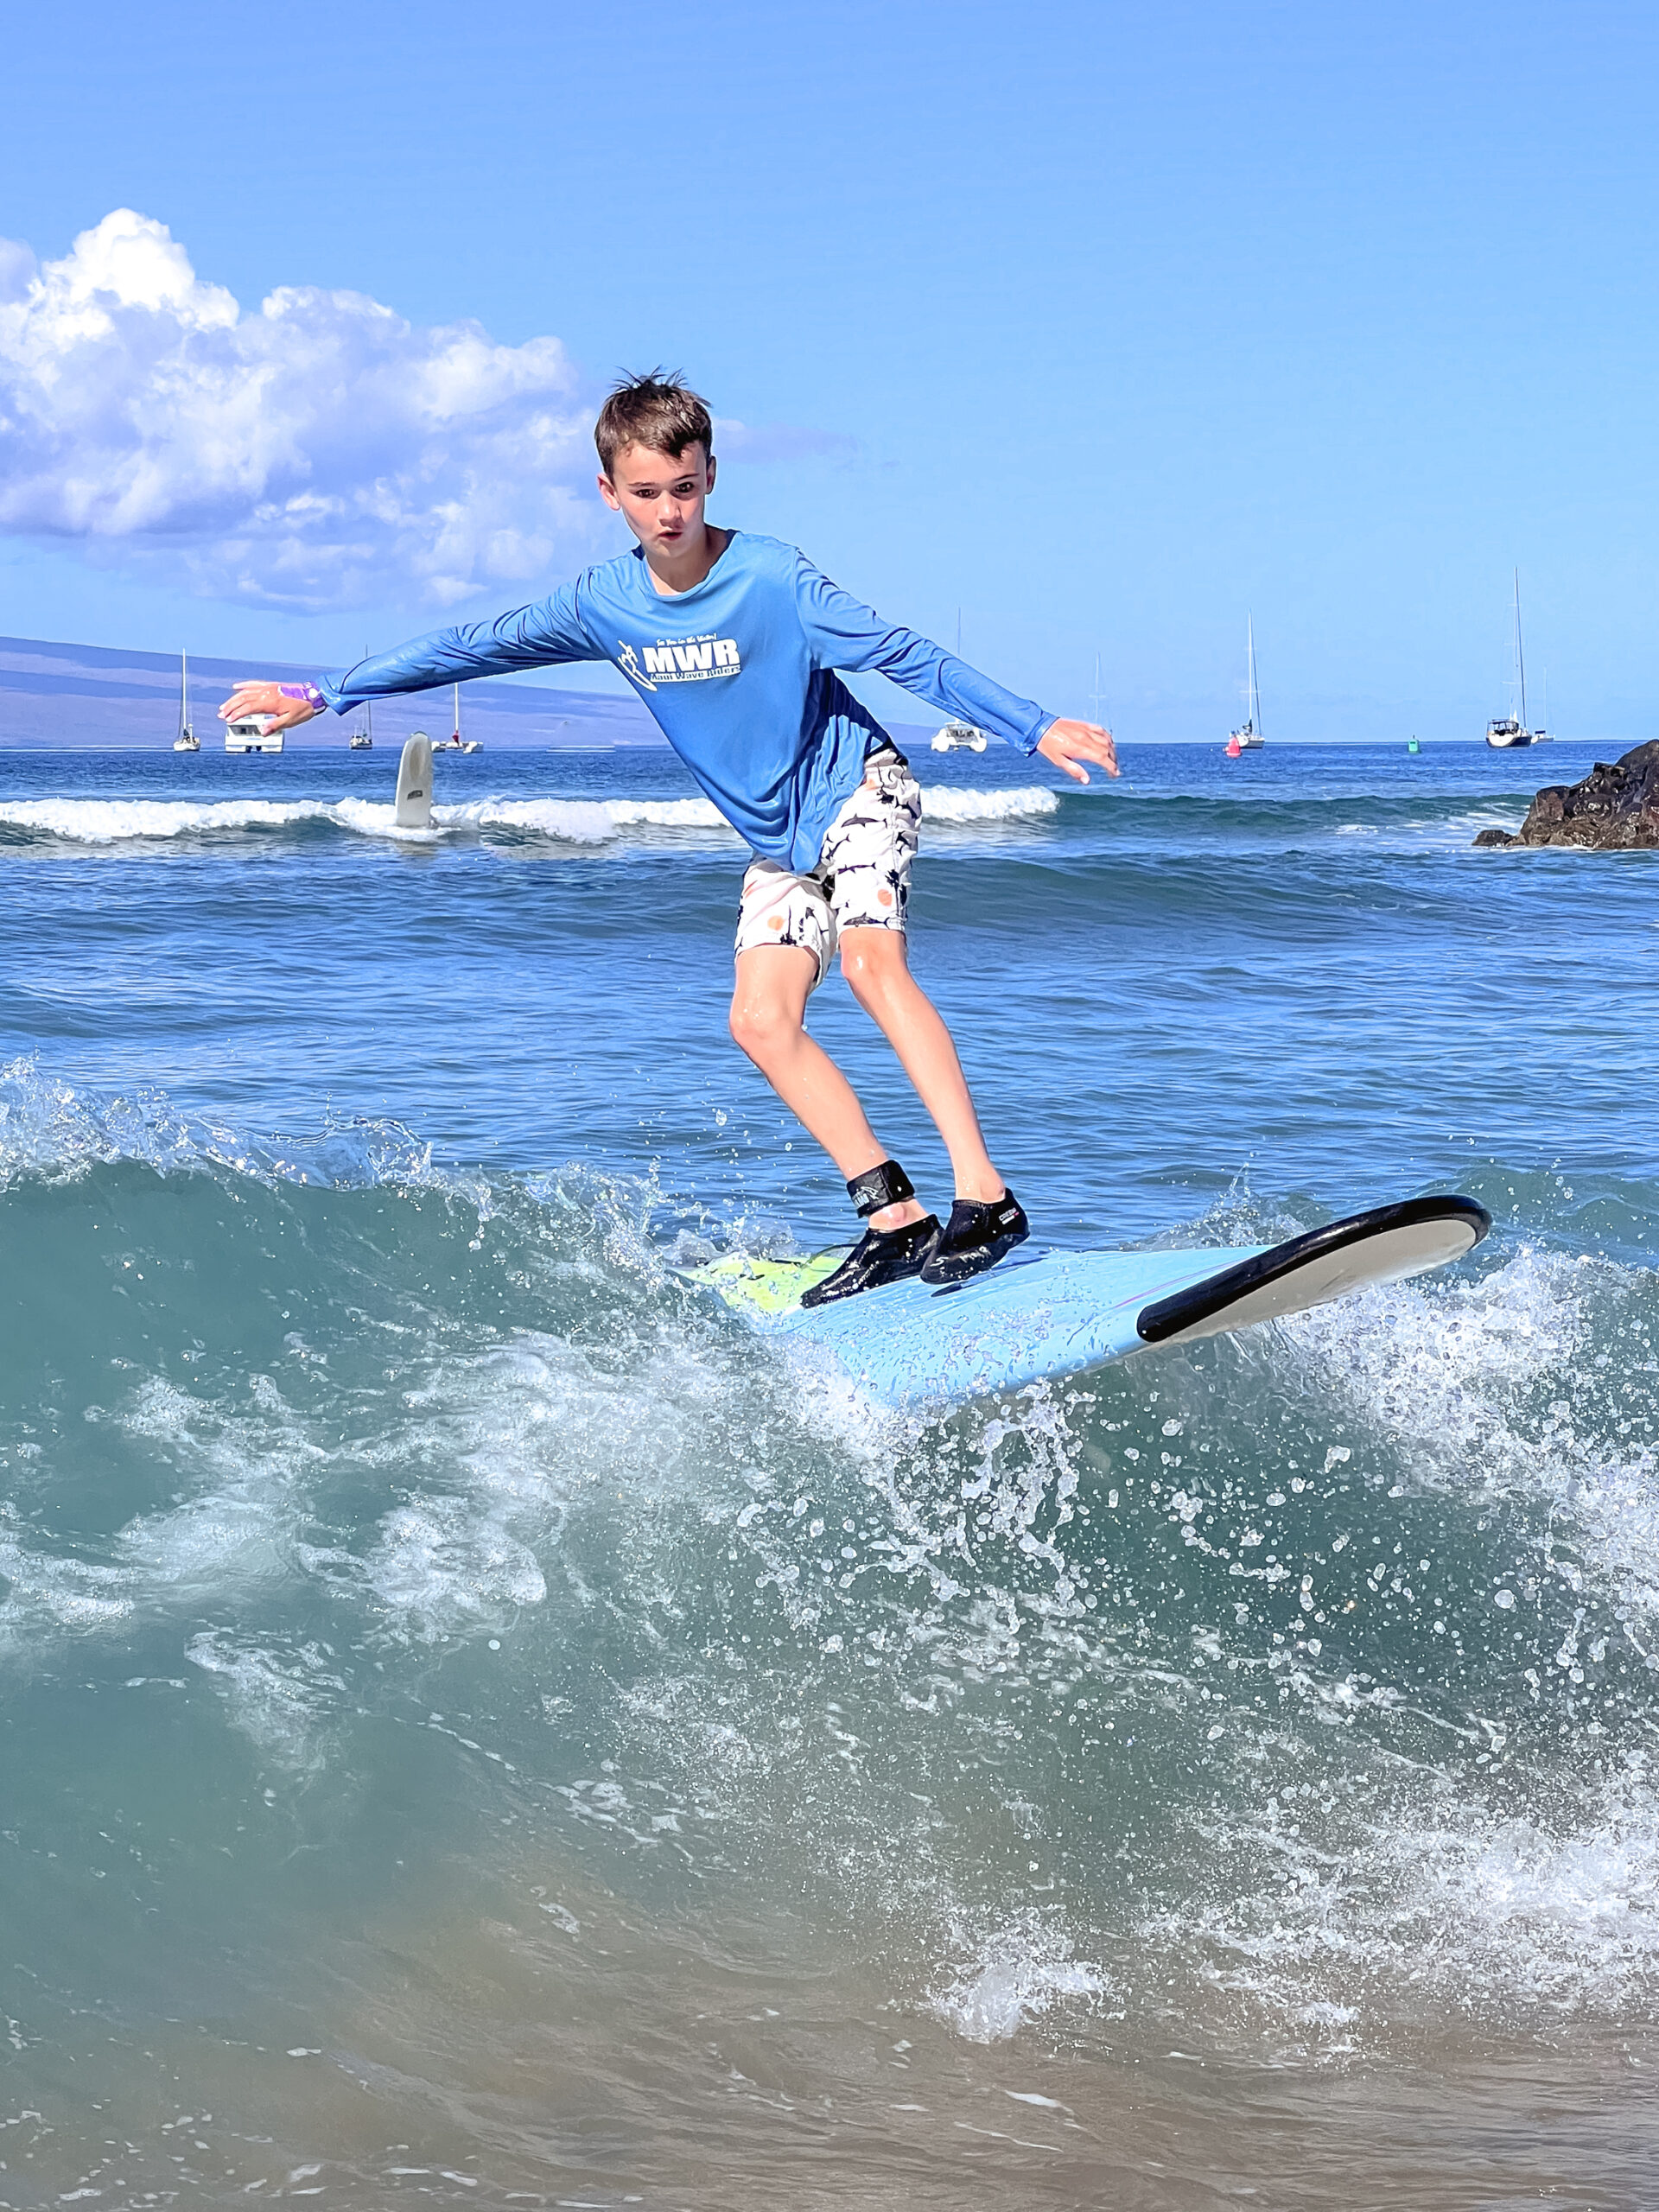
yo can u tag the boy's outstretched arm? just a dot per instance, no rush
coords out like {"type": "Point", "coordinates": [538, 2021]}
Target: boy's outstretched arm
{"type": "Point", "coordinates": [842, 632]}
{"type": "Point", "coordinates": [545, 635]}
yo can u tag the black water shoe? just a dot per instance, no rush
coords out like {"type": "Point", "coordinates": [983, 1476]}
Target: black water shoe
{"type": "Point", "coordinates": [880, 1255]}
{"type": "Point", "coordinates": [976, 1238]}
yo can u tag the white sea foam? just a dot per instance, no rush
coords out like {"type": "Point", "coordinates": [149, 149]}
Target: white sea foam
{"type": "Point", "coordinates": [49, 1594]}
{"type": "Point", "coordinates": [1461, 1375]}
{"type": "Point", "coordinates": [248, 1475]}
{"type": "Point", "coordinates": [119, 820]}
{"type": "Point", "coordinates": [232, 1535]}
{"type": "Point", "coordinates": [1528, 1919]}
{"type": "Point", "coordinates": [280, 1697]}
{"type": "Point", "coordinates": [530, 1429]}
{"type": "Point", "coordinates": [583, 822]}
{"type": "Point", "coordinates": [49, 1128]}
{"type": "Point", "coordinates": [99, 823]}
{"type": "Point", "coordinates": [56, 1131]}
{"type": "Point", "coordinates": [596, 821]}
{"type": "Point", "coordinates": [372, 818]}
{"type": "Point", "coordinates": [1021, 1971]}
{"type": "Point", "coordinates": [955, 807]}
{"type": "Point", "coordinates": [1440, 1365]}
{"type": "Point", "coordinates": [441, 1562]}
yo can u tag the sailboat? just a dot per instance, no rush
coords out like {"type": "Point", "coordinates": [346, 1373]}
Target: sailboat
{"type": "Point", "coordinates": [456, 742]}
{"type": "Point", "coordinates": [1249, 738]}
{"type": "Point", "coordinates": [187, 740]}
{"type": "Point", "coordinates": [362, 739]}
{"type": "Point", "coordinates": [1510, 730]}
{"type": "Point", "coordinates": [1097, 698]}
{"type": "Point", "coordinates": [958, 736]}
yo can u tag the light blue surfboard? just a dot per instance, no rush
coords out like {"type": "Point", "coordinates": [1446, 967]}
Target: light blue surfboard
{"type": "Point", "coordinates": [1051, 1314]}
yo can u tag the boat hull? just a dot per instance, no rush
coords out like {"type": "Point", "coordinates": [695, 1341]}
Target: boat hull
{"type": "Point", "coordinates": [252, 736]}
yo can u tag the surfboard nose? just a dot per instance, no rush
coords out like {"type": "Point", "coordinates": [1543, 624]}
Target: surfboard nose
{"type": "Point", "coordinates": [1380, 1245]}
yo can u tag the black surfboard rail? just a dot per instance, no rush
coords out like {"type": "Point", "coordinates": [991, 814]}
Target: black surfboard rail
{"type": "Point", "coordinates": [1408, 1226]}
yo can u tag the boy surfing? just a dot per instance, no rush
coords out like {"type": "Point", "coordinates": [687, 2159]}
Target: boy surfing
{"type": "Point", "coordinates": [734, 643]}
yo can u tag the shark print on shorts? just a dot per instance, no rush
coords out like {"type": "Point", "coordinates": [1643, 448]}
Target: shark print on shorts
{"type": "Point", "coordinates": [863, 877]}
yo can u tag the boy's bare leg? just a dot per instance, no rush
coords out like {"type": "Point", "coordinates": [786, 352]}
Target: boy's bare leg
{"type": "Point", "coordinates": [877, 969]}
{"type": "Point", "coordinates": [769, 1023]}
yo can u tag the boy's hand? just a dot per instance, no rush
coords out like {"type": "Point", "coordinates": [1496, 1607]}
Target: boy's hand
{"type": "Point", "coordinates": [1069, 744]}
{"type": "Point", "coordinates": [276, 700]}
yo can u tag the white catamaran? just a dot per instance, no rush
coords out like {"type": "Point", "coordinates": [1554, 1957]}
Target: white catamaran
{"type": "Point", "coordinates": [187, 740]}
{"type": "Point", "coordinates": [1249, 738]}
{"type": "Point", "coordinates": [1510, 730]}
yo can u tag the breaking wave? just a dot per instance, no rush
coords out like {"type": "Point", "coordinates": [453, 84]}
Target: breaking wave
{"type": "Point", "coordinates": [1363, 1605]}
{"type": "Point", "coordinates": [95, 823]}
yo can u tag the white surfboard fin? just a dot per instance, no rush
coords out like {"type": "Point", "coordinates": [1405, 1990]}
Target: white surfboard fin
{"type": "Point", "coordinates": [414, 784]}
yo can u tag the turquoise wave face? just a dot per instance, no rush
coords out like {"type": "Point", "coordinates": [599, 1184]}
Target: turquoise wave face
{"type": "Point", "coordinates": [477, 1720]}
{"type": "Point", "coordinates": [414, 1593]}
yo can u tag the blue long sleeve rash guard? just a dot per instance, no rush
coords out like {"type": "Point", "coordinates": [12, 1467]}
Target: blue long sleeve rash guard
{"type": "Point", "coordinates": [739, 672]}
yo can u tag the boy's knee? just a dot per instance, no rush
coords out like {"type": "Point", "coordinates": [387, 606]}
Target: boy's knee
{"type": "Point", "coordinates": [758, 1026]}
{"type": "Point", "coordinates": [873, 970]}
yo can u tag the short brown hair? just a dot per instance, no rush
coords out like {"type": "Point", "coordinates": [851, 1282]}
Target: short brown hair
{"type": "Point", "coordinates": [657, 410]}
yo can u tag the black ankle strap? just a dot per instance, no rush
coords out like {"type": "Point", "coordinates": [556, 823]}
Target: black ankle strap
{"type": "Point", "coordinates": [886, 1185]}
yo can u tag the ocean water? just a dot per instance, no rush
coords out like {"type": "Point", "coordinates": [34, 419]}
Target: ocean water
{"type": "Point", "coordinates": [477, 1728]}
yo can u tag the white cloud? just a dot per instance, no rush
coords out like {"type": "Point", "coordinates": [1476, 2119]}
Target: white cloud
{"type": "Point", "coordinates": [735, 441]}
{"type": "Point", "coordinates": [319, 452]}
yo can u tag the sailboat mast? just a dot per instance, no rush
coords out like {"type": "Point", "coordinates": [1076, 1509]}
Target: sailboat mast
{"type": "Point", "coordinates": [1520, 663]}
{"type": "Point", "coordinates": [457, 710]}
{"type": "Point", "coordinates": [1256, 696]}
{"type": "Point", "coordinates": [184, 691]}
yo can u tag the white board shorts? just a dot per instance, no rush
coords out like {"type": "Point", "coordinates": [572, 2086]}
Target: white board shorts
{"type": "Point", "coordinates": [863, 877]}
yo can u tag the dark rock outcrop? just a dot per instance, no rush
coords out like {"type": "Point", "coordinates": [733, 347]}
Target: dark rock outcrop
{"type": "Point", "coordinates": [1615, 809]}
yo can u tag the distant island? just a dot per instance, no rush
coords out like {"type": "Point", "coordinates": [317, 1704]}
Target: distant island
{"type": "Point", "coordinates": [54, 693]}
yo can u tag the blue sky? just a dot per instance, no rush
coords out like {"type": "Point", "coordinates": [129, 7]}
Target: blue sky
{"type": "Point", "coordinates": [1103, 324]}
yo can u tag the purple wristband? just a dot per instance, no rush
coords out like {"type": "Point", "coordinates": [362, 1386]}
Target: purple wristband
{"type": "Point", "coordinates": [309, 692]}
